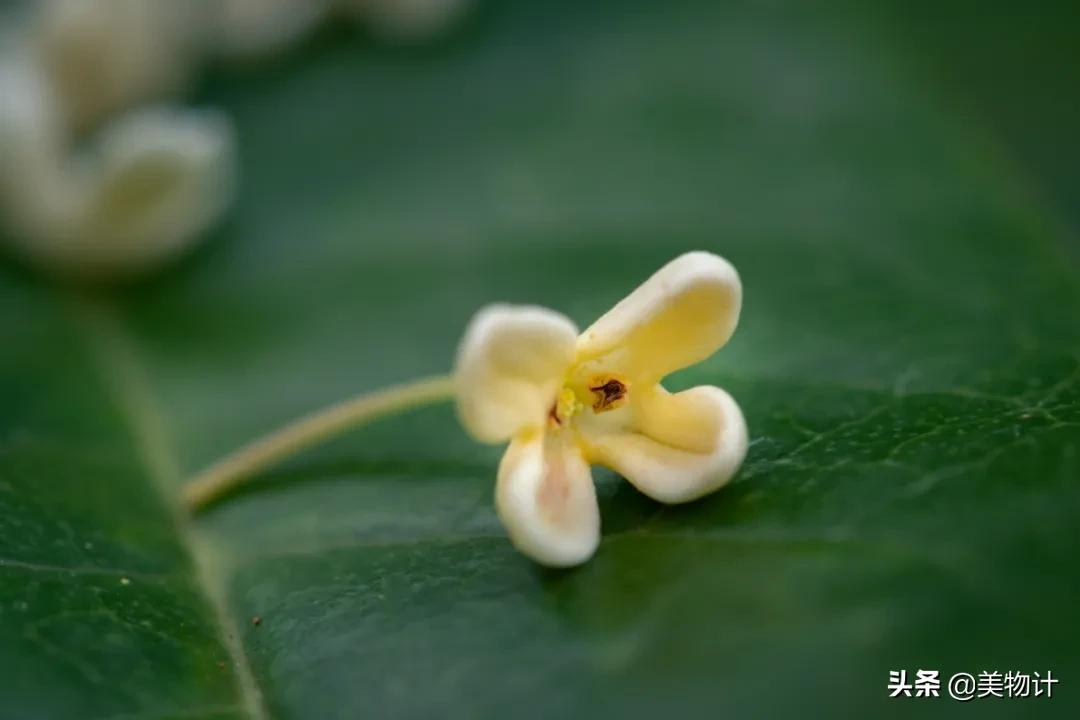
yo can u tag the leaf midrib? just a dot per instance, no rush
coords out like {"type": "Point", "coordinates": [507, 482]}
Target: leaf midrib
{"type": "Point", "coordinates": [125, 381]}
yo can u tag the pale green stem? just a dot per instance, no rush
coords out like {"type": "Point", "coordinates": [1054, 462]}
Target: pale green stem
{"type": "Point", "coordinates": [230, 472]}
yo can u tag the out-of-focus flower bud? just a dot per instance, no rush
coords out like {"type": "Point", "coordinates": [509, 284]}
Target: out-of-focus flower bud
{"type": "Point", "coordinates": [251, 29]}
{"type": "Point", "coordinates": [144, 192]}
{"type": "Point", "coordinates": [102, 56]}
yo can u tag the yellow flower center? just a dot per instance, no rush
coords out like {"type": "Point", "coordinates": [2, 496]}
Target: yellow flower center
{"type": "Point", "coordinates": [566, 406]}
{"type": "Point", "coordinates": [608, 392]}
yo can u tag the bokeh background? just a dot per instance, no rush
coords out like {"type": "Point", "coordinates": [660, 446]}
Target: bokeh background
{"type": "Point", "coordinates": [899, 186]}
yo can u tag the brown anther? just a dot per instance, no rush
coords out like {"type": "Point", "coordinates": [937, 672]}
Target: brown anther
{"type": "Point", "coordinates": [608, 393]}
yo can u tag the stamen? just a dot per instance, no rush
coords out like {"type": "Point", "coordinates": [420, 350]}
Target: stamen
{"type": "Point", "coordinates": [565, 407]}
{"type": "Point", "coordinates": [609, 393]}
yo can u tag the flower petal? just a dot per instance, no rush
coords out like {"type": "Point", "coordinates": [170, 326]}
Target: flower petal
{"type": "Point", "coordinates": [108, 55]}
{"type": "Point", "coordinates": [681, 315]}
{"type": "Point", "coordinates": [681, 446]}
{"type": "Point", "coordinates": [546, 499]}
{"type": "Point", "coordinates": [259, 28]}
{"type": "Point", "coordinates": [166, 176]}
{"type": "Point", "coordinates": [154, 181]}
{"type": "Point", "coordinates": [509, 369]}
{"type": "Point", "coordinates": [35, 187]}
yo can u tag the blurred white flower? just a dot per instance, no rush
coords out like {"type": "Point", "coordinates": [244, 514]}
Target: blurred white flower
{"type": "Point", "coordinates": [565, 401]}
{"type": "Point", "coordinates": [258, 28]}
{"type": "Point", "coordinates": [85, 191]}
{"type": "Point", "coordinates": [146, 189]}
{"type": "Point", "coordinates": [102, 56]}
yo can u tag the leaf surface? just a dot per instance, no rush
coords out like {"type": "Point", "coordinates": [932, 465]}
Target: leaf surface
{"type": "Point", "coordinates": [908, 361]}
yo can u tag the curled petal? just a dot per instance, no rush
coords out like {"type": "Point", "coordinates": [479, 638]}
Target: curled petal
{"type": "Point", "coordinates": [681, 447]}
{"type": "Point", "coordinates": [509, 369]}
{"type": "Point", "coordinates": [165, 177]}
{"type": "Point", "coordinates": [546, 499]}
{"type": "Point", "coordinates": [106, 55]}
{"type": "Point", "coordinates": [156, 180]}
{"type": "Point", "coordinates": [35, 187]}
{"type": "Point", "coordinates": [681, 315]}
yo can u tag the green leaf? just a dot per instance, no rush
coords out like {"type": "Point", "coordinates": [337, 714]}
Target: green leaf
{"type": "Point", "coordinates": [908, 362]}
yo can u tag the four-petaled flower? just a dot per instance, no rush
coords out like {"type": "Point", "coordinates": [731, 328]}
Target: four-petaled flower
{"type": "Point", "coordinates": [566, 401]}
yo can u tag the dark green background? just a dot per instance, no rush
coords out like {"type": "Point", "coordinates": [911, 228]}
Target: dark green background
{"type": "Point", "coordinates": [898, 186]}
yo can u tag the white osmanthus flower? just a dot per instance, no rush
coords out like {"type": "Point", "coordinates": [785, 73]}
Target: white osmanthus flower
{"type": "Point", "coordinates": [154, 179]}
{"type": "Point", "coordinates": [147, 189]}
{"type": "Point", "coordinates": [252, 29]}
{"type": "Point", "coordinates": [565, 401]}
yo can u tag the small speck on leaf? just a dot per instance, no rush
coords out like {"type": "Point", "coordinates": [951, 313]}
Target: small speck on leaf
{"type": "Point", "coordinates": [256, 620]}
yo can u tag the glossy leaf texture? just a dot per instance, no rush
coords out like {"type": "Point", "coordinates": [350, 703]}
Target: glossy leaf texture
{"type": "Point", "coordinates": [908, 362]}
